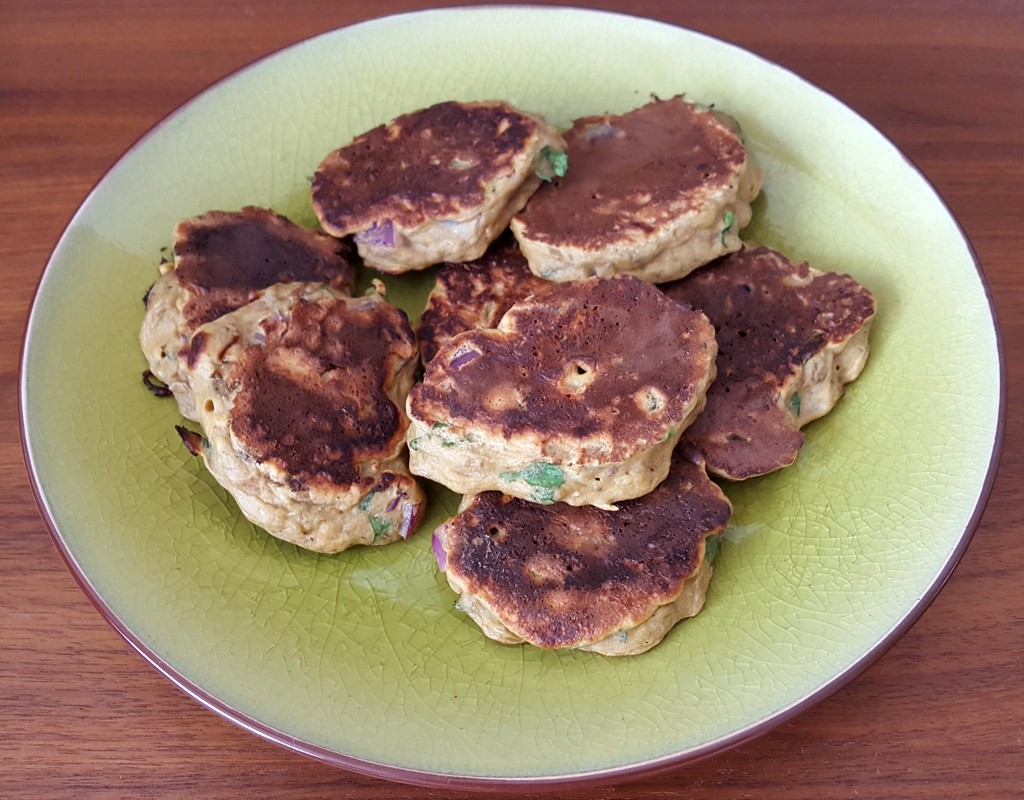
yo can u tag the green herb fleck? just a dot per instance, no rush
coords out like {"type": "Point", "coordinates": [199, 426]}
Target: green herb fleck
{"type": "Point", "coordinates": [541, 474]}
{"type": "Point", "coordinates": [380, 527]}
{"type": "Point", "coordinates": [794, 404]}
{"type": "Point", "coordinates": [712, 544]}
{"type": "Point", "coordinates": [415, 444]}
{"type": "Point", "coordinates": [542, 494]}
{"type": "Point", "coordinates": [440, 430]}
{"type": "Point", "coordinates": [552, 164]}
{"type": "Point", "coordinates": [543, 477]}
{"type": "Point", "coordinates": [365, 502]}
{"type": "Point", "coordinates": [729, 219]}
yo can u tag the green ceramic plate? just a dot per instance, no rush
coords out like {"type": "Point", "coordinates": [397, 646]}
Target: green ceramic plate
{"type": "Point", "coordinates": [359, 659]}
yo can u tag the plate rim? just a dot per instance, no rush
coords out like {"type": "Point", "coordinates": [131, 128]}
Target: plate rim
{"type": "Point", "coordinates": [582, 779]}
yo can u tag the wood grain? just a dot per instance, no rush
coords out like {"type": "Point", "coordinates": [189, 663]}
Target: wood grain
{"type": "Point", "coordinates": [83, 716]}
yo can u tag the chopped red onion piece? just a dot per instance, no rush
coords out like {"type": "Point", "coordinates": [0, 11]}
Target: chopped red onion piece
{"type": "Point", "coordinates": [463, 358]}
{"type": "Point", "coordinates": [439, 554]}
{"type": "Point", "coordinates": [602, 131]}
{"type": "Point", "coordinates": [408, 519]}
{"type": "Point", "coordinates": [382, 235]}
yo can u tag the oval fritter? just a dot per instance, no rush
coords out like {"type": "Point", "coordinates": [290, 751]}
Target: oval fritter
{"type": "Point", "coordinates": [789, 339]}
{"type": "Point", "coordinates": [221, 261]}
{"type": "Point", "coordinates": [475, 295]}
{"type": "Point", "coordinates": [300, 395]}
{"type": "Point", "coordinates": [438, 184]}
{"type": "Point", "coordinates": [562, 576]}
{"type": "Point", "coordinates": [579, 395]}
{"type": "Point", "coordinates": [654, 193]}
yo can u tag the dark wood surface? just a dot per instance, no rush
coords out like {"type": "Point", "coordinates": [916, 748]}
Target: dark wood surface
{"type": "Point", "coordinates": [83, 716]}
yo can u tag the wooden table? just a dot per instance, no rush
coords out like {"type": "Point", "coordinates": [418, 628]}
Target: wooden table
{"type": "Point", "coordinates": [83, 716]}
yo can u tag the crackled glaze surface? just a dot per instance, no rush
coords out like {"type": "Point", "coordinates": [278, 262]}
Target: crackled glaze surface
{"type": "Point", "coordinates": [360, 658]}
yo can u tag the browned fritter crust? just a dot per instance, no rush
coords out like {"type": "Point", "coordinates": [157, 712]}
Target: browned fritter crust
{"type": "Point", "coordinates": [655, 193]}
{"type": "Point", "coordinates": [568, 364]}
{"type": "Point", "coordinates": [313, 395]}
{"type": "Point", "coordinates": [223, 259]}
{"type": "Point", "coordinates": [771, 317]}
{"type": "Point", "coordinates": [430, 164]}
{"type": "Point", "coordinates": [475, 294]}
{"type": "Point", "coordinates": [562, 576]}
{"type": "Point", "coordinates": [632, 171]}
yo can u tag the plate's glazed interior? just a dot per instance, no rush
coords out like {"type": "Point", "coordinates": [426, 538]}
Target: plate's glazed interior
{"type": "Point", "coordinates": [360, 658]}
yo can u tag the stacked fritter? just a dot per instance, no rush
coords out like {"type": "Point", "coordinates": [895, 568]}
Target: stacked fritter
{"type": "Point", "coordinates": [299, 396]}
{"type": "Point", "coordinates": [220, 262]}
{"type": "Point", "coordinates": [439, 184]}
{"type": "Point", "coordinates": [790, 338]}
{"type": "Point", "coordinates": [299, 388]}
{"type": "Point", "coordinates": [579, 577]}
{"type": "Point", "coordinates": [598, 339]}
{"type": "Point", "coordinates": [655, 192]}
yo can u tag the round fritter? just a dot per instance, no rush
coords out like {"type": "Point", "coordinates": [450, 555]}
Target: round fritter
{"type": "Point", "coordinates": [789, 339]}
{"type": "Point", "coordinates": [654, 193]}
{"type": "Point", "coordinates": [579, 395]}
{"type": "Point", "coordinates": [562, 576]}
{"type": "Point", "coordinates": [475, 295]}
{"type": "Point", "coordinates": [438, 184]}
{"type": "Point", "coordinates": [223, 260]}
{"type": "Point", "coordinates": [300, 397]}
